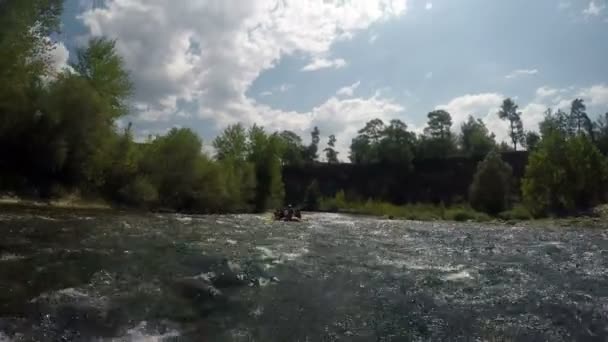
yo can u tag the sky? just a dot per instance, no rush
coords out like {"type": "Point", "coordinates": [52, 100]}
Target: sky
{"type": "Point", "coordinates": [336, 64]}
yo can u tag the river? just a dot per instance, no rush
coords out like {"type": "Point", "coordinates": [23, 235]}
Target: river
{"type": "Point", "coordinates": [98, 276]}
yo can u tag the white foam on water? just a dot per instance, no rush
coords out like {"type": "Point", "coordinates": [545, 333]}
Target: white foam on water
{"type": "Point", "coordinates": [257, 312]}
{"type": "Point", "coordinates": [462, 275]}
{"type": "Point", "coordinates": [400, 263]}
{"type": "Point", "coordinates": [230, 242]}
{"type": "Point", "coordinates": [184, 219]}
{"type": "Point", "coordinates": [11, 257]}
{"type": "Point", "coordinates": [45, 218]}
{"type": "Point", "coordinates": [267, 252]}
{"type": "Point", "coordinates": [139, 334]}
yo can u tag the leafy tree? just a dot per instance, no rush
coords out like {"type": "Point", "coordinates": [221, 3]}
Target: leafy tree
{"type": "Point", "coordinates": [294, 152]}
{"type": "Point", "coordinates": [439, 124]}
{"type": "Point", "coordinates": [396, 146]}
{"type": "Point", "coordinates": [330, 152]}
{"type": "Point", "coordinates": [361, 151]}
{"type": "Point", "coordinates": [508, 111]}
{"type": "Point", "coordinates": [532, 140]}
{"type": "Point", "coordinates": [313, 148]}
{"type": "Point", "coordinates": [238, 174]}
{"type": "Point", "coordinates": [265, 156]}
{"type": "Point", "coordinates": [101, 65]}
{"type": "Point", "coordinates": [578, 118]}
{"type": "Point", "coordinates": [364, 147]}
{"type": "Point", "coordinates": [475, 139]}
{"type": "Point", "coordinates": [490, 189]}
{"type": "Point", "coordinates": [564, 174]}
{"type": "Point", "coordinates": [437, 141]}
{"type": "Point", "coordinates": [373, 130]}
{"type": "Point", "coordinates": [173, 165]}
{"type": "Point", "coordinates": [232, 144]}
{"type": "Point", "coordinates": [601, 140]}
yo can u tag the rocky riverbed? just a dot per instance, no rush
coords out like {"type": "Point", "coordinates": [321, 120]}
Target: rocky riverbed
{"type": "Point", "coordinates": [100, 276]}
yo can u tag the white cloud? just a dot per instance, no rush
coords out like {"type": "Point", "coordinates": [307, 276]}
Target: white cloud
{"type": "Point", "coordinates": [593, 9]}
{"type": "Point", "coordinates": [322, 63]}
{"type": "Point", "coordinates": [596, 95]}
{"type": "Point", "coordinates": [428, 6]}
{"type": "Point", "coordinates": [478, 105]}
{"type": "Point", "coordinates": [209, 52]}
{"type": "Point", "coordinates": [281, 89]}
{"type": "Point", "coordinates": [349, 90]}
{"type": "Point", "coordinates": [521, 72]}
{"type": "Point", "coordinates": [266, 93]}
{"type": "Point", "coordinates": [545, 91]}
{"type": "Point", "coordinates": [428, 75]}
{"type": "Point", "coordinates": [373, 38]}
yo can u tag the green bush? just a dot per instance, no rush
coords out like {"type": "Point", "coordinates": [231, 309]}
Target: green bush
{"type": "Point", "coordinates": [140, 193]}
{"type": "Point", "coordinates": [563, 175]}
{"type": "Point", "coordinates": [490, 189]}
{"type": "Point", "coordinates": [312, 200]}
{"type": "Point", "coordinates": [517, 213]}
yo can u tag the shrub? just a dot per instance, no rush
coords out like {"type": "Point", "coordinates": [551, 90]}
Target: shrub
{"type": "Point", "coordinates": [140, 192]}
{"type": "Point", "coordinates": [517, 213]}
{"type": "Point", "coordinates": [563, 175]}
{"type": "Point", "coordinates": [312, 200]}
{"type": "Point", "coordinates": [490, 189]}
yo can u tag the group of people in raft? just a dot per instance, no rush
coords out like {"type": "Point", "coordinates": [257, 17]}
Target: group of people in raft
{"type": "Point", "coordinates": [288, 214]}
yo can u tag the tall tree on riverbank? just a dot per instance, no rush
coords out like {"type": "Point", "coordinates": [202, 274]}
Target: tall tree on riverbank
{"type": "Point", "coordinates": [509, 111]}
{"type": "Point", "coordinates": [491, 187]}
{"type": "Point", "coordinates": [313, 148]}
{"type": "Point", "coordinates": [330, 152]}
{"type": "Point", "coordinates": [437, 141]}
{"type": "Point", "coordinates": [475, 138]}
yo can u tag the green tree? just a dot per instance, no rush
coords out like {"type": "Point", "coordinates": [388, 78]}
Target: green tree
{"type": "Point", "coordinates": [101, 65]}
{"type": "Point", "coordinates": [532, 140]}
{"type": "Point", "coordinates": [238, 174]}
{"type": "Point", "coordinates": [396, 146]}
{"type": "Point", "coordinates": [578, 119]}
{"type": "Point", "coordinates": [313, 148]}
{"type": "Point", "coordinates": [232, 144]}
{"type": "Point", "coordinates": [365, 146]}
{"type": "Point", "coordinates": [330, 152]}
{"type": "Point", "coordinates": [508, 111]}
{"type": "Point", "coordinates": [437, 141]}
{"type": "Point", "coordinates": [439, 124]}
{"type": "Point", "coordinates": [361, 150]}
{"type": "Point", "coordinates": [601, 140]}
{"type": "Point", "coordinates": [475, 139]}
{"type": "Point", "coordinates": [490, 189]}
{"type": "Point", "coordinates": [564, 174]}
{"type": "Point", "coordinates": [173, 164]}
{"type": "Point", "coordinates": [373, 130]}
{"type": "Point", "coordinates": [265, 152]}
{"type": "Point", "coordinates": [294, 152]}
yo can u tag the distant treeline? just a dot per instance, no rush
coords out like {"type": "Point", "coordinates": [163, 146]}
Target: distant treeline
{"type": "Point", "coordinates": [58, 135]}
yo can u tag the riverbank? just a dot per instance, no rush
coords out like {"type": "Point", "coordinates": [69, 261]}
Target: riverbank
{"type": "Point", "coordinates": [420, 212]}
{"type": "Point", "coordinates": [68, 202]}
{"type": "Point", "coordinates": [459, 213]}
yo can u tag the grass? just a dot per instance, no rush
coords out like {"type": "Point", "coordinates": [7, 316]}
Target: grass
{"type": "Point", "coordinates": [417, 212]}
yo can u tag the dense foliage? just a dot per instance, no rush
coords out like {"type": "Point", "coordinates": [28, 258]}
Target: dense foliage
{"type": "Point", "coordinates": [490, 190]}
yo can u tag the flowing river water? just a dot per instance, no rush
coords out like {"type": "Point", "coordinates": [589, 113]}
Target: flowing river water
{"type": "Point", "coordinates": [95, 276]}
